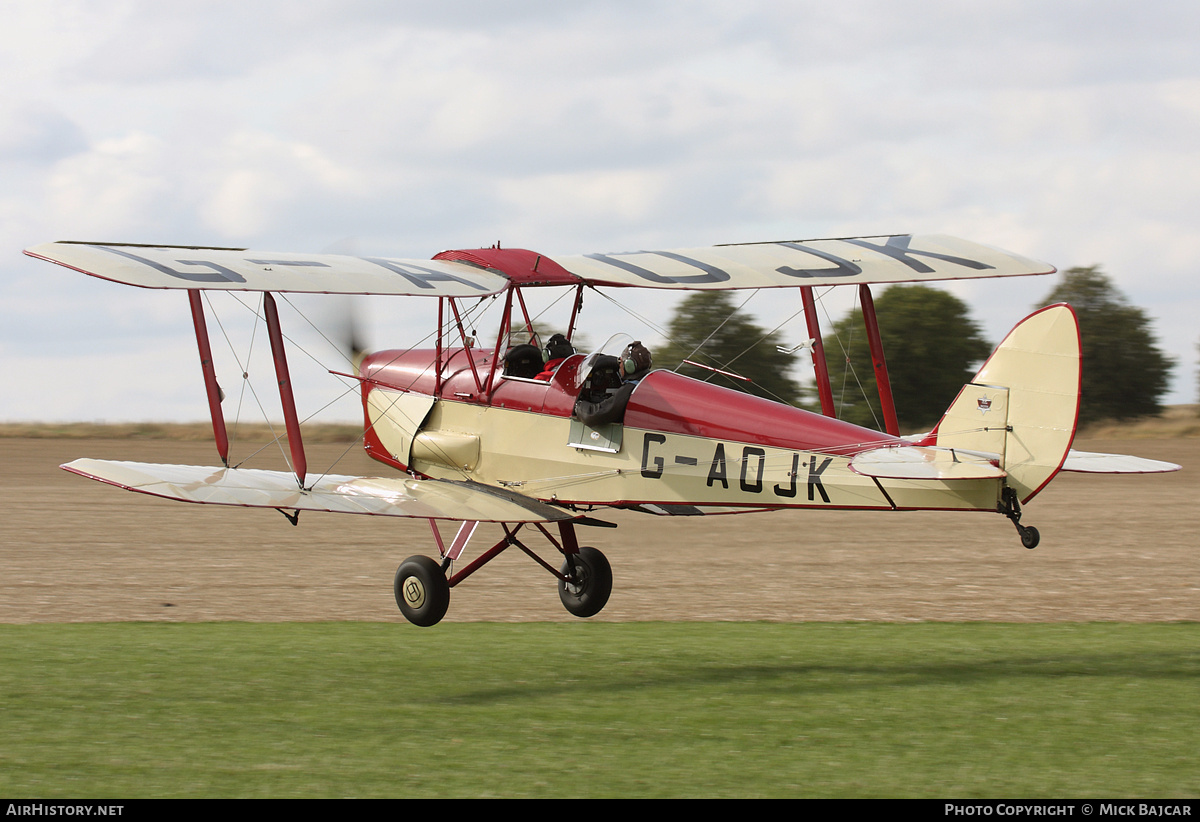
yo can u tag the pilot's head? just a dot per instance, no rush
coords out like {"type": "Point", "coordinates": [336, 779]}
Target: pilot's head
{"type": "Point", "coordinates": [635, 361]}
{"type": "Point", "coordinates": [558, 348]}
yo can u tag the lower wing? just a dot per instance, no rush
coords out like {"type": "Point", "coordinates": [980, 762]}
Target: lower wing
{"type": "Point", "coordinates": [378, 496]}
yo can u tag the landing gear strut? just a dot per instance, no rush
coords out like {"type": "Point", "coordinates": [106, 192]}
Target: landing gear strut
{"type": "Point", "coordinates": [423, 584]}
{"type": "Point", "coordinates": [1010, 506]}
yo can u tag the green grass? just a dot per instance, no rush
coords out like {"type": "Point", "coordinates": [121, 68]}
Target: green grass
{"type": "Point", "coordinates": [599, 710]}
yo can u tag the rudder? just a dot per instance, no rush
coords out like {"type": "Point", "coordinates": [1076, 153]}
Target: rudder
{"type": "Point", "coordinates": [1024, 402]}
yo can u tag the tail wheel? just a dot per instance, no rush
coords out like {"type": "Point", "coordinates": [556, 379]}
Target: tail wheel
{"type": "Point", "coordinates": [422, 591]}
{"type": "Point", "coordinates": [589, 581]}
{"type": "Point", "coordinates": [1010, 506]}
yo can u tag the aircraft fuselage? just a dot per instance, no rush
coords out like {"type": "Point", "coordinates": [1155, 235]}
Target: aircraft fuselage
{"type": "Point", "coordinates": [684, 446]}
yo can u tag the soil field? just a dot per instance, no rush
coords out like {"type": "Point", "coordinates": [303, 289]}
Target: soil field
{"type": "Point", "coordinates": [1114, 548]}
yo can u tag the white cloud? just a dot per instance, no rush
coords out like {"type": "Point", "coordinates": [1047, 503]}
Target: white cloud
{"type": "Point", "coordinates": [256, 181]}
{"type": "Point", "coordinates": [118, 185]}
{"type": "Point", "coordinates": [37, 134]}
{"type": "Point", "coordinates": [1065, 132]}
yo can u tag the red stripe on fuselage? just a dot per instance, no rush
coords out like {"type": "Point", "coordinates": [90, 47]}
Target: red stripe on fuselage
{"type": "Point", "coordinates": [663, 401]}
{"type": "Point", "coordinates": [675, 404]}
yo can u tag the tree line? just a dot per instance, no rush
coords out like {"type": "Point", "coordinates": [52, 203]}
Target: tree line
{"type": "Point", "coordinates": [933, 347]}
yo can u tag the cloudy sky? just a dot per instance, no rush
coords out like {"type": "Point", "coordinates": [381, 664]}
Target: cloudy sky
{"type": "Point", "coordinates": [1065, 131]}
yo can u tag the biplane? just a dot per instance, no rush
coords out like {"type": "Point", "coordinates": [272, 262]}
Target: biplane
{"type": "Point", "coordinates": [493, 433]}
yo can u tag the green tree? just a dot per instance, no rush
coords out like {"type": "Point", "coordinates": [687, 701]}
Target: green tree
{"type": "Point", "coordinates": [1125, 374]}
{"type": "Point", "coordinates": [707, 328]}
{"type": "Point", "coordinates": [932, 347]}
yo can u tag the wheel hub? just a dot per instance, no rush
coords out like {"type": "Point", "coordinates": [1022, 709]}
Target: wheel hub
{"type": "Point", "coordinates": [414, 592]}
{"type": "Point", "coordinates": [577, 584]}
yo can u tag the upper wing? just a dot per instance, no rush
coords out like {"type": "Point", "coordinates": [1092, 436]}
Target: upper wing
{"type": "Point", "coordinates": [899, 258]}
{"type": "Point", "coordinates": [381, 496]}
{"type": "Point", "coordinates": [233, 269]}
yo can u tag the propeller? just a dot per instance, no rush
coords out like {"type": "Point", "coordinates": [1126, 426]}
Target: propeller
{"type": "Point", "coordinates": [352, 338]}
{"type": "Point", "coordinates": [343, 312]}
{"type": "Point", "coordinates": [339, 316]}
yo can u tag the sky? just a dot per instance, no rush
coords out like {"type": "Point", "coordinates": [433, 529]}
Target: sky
{"type": "Point", "coordinates": [1068, 132]}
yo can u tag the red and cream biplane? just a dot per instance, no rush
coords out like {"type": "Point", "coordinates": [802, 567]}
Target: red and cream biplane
{"type": "Point", "coordinates": [493, 434]}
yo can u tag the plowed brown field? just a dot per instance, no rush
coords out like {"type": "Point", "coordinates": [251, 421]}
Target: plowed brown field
{"type": "Point", "coordinates": [1119, 548]}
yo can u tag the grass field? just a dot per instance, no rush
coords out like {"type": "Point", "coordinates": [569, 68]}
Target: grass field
{"type": "Point", "coordinates": [972, 668]}
{"type": "Point", "coordinates": [600, 710]}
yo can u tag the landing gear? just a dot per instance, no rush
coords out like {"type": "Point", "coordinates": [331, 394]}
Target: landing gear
{"type": "Point", "coordinates": [1010, 506]}
{"type": "Point", "coordinates": [588, 582]}
{"type": "Point", "coordinates": [422, 591]}
{"type": "Point", "coordinates": [423, 584]}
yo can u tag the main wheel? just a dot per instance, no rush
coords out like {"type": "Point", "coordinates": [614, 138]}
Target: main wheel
{"type": "Point", "coordinates": [1030, 536]}
{"type": "Point", "coordinates": [422, 591]}
{"type": "Point", "coordinates": [589, 583]}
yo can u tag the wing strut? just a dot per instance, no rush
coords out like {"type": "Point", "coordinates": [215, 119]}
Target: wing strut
{"type": "Point", "coordinates": [505, 331]}
{"type": "Point", "coordinates": [462, 333]}
{"type": "Point", "coordinates": [437, 355]}
{"type": "Point", "coordinates": [210, 376]}
{"type": "Point", "coordinates": [575, 311]}
{"type": "Point", "coordinates": [824, 389]}
{"type": "Point", "coordinates": [881, 374]}
{"type": "Point", "coordinates": [299, 463]}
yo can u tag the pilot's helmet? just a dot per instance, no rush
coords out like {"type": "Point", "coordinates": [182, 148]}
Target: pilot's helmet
{"type": "Point", "coordinates": [558, 348]}
{"type": "Point", "coordinates": [635, 360]}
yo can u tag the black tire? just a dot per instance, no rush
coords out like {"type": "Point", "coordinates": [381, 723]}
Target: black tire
{"type": "Point", "coordinates": [588, 594]}
{"type": "Point", "coordinates": [422, 591]}
{"type": "Point", "coordinates": [1030, 536]}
